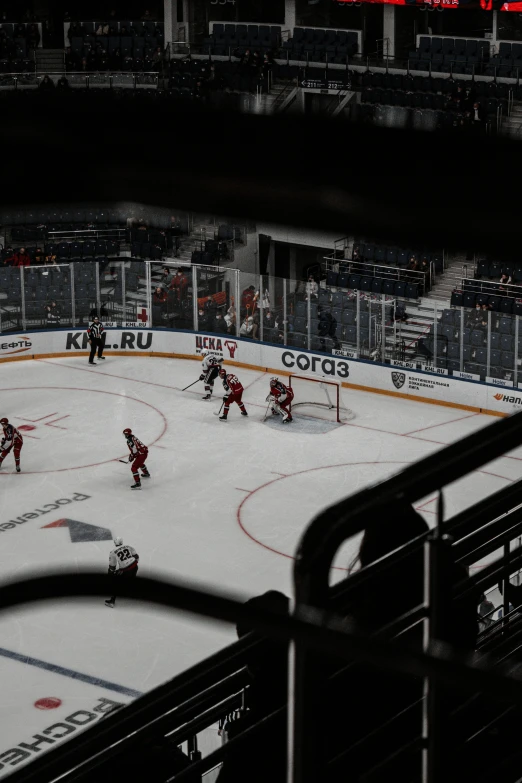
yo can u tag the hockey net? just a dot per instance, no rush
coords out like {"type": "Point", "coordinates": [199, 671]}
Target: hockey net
{"type": "Point", "coordinates": [320, 398]}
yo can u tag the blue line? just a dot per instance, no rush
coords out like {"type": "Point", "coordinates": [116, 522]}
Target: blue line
{"type": "Point", "coordinates": [52, 667]}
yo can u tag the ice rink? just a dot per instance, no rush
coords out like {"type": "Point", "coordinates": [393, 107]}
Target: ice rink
{"type": "Point", "coordinates": [225, 507]}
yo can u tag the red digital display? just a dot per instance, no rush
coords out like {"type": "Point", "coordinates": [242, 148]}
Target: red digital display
{"type": "Point", "coordinates": [485, 5]}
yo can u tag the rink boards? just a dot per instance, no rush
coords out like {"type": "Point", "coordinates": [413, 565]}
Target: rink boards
{"type": "Point", "coordinates": [399, 380]}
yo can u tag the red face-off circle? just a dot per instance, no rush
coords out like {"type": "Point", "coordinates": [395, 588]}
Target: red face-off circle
{"type": "Point", "coordinates": [48, 703]}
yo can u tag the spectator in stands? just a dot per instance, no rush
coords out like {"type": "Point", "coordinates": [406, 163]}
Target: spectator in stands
{"type": "Point", "coordinates": [247, 326]}
{"type": "Point", "coordinates": [267, 668]}
{"type": "Point", "coordinates": [63, 83]}
{"type": "Point", "coordinates": [167, 277]}
{"type": "Point", "coordinates": [158, 56]}
{"type": "Point", "coordinates": [179, 284]}
{"type": "Point", "coordinates": [474, 318]}
{"type": "Point", "coordinates": [53, 314]}
{"type": "Point", "coordinates": [312, 289]}
{"type": "Point", "coordinates": [477, 114]}
{"type": "Point", "coordinates": [505, 278]}
{"type": "Point", "coordinates": [147, 16]}
{"type": "Point", "coordinates": [20, 258]}
{"type": "Point", "coordinates": [399, 312]}
{"type": "Point", "coordinates": [249, 300]}
{"type": "Point", "coordinates": [102, 29]}
{"type": "Point", "coordinates": [255, 326]}
{"type": "Point", "coordinates": [230, 319]}
{"type": "Point", "coordinates": [160, 296]}
{"type": "Point", "coordinates": [204, 321]}
{"type": "Point", "coordinates": [46, 84]}
{"type": "Point", "coordinates": [269, 321]}
{"type": "Point", "coordinates": [219, 324]}
{"type": "Point", "coordinates": [39, 257]}
{"type": "Point", "coordinates": [33, 36]}
{"type": "Point", "coordinates": [327, 327]}
{"type": "Point", "coordinates": [413, 266]}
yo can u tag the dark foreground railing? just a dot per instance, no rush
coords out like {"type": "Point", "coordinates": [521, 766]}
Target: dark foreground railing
{"type": "Point", "coordinates": [375, 507]}
{"type": "Point", "coordinates": [318, 631]}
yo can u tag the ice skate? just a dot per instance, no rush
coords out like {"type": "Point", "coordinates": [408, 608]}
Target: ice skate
{"type": "Point", "coordinates": [207, 397]}
{"type": "Point", "coordinates": [109, 603]}
{"type": "Point", "coordinates": [137, 485]}
{"type": "Point", "coordinates": [223, 418]}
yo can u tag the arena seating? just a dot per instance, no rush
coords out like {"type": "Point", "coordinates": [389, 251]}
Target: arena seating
{"type": "Point", "coordinates": [65, 251]}
{"type": "Point", "coordinates": [507, 61]}
{"type": "Point", "coordinates": [450, 55]}
{"type": "Point", "coordinates": [494, 269]}
{"type": "Point", "coordinates": [128, 46]}
{"type": "Point", "coordinates": [240, 37]}
{"type": "Point", "coordinates": [472, 328]}
{"type": "Point", "coordinates": [333, 46]}
{"type": "Point", "coordinates": [316, 44]}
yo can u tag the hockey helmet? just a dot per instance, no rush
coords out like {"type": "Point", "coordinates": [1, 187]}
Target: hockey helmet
{"type": "Point", "coordinates": [4, 421]}
{"type": "Point", "coordinates": [273, 381]}
{"type": "Point", "coordinates": [204, 352]}
{"type": "Point", "coordinates": [222, 373]}
{"type": "Point", "coordinates": [127, 432]}
{"type": "Point", "coordinates": [118, 541]}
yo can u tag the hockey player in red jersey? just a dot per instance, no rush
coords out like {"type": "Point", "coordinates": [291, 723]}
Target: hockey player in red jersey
{"type": "Point", "coordinates": [280, 399]}
{"type": "Point", "coordinates": [233, 393]}
{"type": "Point", "coordinates": [210, 367]}
{"type": "Point", "coordinates": [138, 454]}
{"type": "Point", "coordinates": [12, 440]}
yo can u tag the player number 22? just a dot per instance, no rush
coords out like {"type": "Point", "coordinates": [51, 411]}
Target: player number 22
{"type": "Point", "coordinates": [124, 554]}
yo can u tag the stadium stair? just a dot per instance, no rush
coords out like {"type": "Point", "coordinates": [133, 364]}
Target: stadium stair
{"type": "Point", "coordinates": [451, 278]}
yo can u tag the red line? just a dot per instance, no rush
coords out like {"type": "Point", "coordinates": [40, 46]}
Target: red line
{"type": "Point", "coordinates": [291, 475]}
{"type": "Point", "coordinates": [40, 419]}
{"type": "Point", "coordinates": [426, 503]}
{"type": "Point", "coordinates": [52, 424]}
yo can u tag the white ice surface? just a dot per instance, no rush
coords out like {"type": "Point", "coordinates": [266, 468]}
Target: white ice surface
{"type": "Point", "coordinates": [225, 507]}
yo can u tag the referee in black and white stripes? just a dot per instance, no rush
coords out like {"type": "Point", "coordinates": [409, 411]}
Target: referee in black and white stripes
{"type": "Point", "coordinates": [96, 335]}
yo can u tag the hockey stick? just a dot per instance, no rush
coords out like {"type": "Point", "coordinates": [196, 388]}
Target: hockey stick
{"type": "Point", "coordinates": [219, 411]}
{"type": "Point", "coordinates": [266, 412]}
{"type": "Point", "coordinates": [190, 384]}
{"type": "Point", "coordinates": [124, 461]}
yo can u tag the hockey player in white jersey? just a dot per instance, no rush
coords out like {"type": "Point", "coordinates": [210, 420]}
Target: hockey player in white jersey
{"type": "Point", "coordinates": [123, 561]}
{"type": "Point", "coordinates": [210, 367]}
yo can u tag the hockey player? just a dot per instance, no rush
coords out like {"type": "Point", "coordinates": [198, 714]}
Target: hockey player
{"type": "Point", "coordinates": [233, 393]}
{"type": "Point", "coordinates": [280, 399]}
{"type": "Point", "coordinates": [138, 454]}
{"type": "Point", "coordinates": [123, 561]}
{"type": "Point", "coordinates": [12, 440]}
{"type": "Point", "coordinates": [210, 367]}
